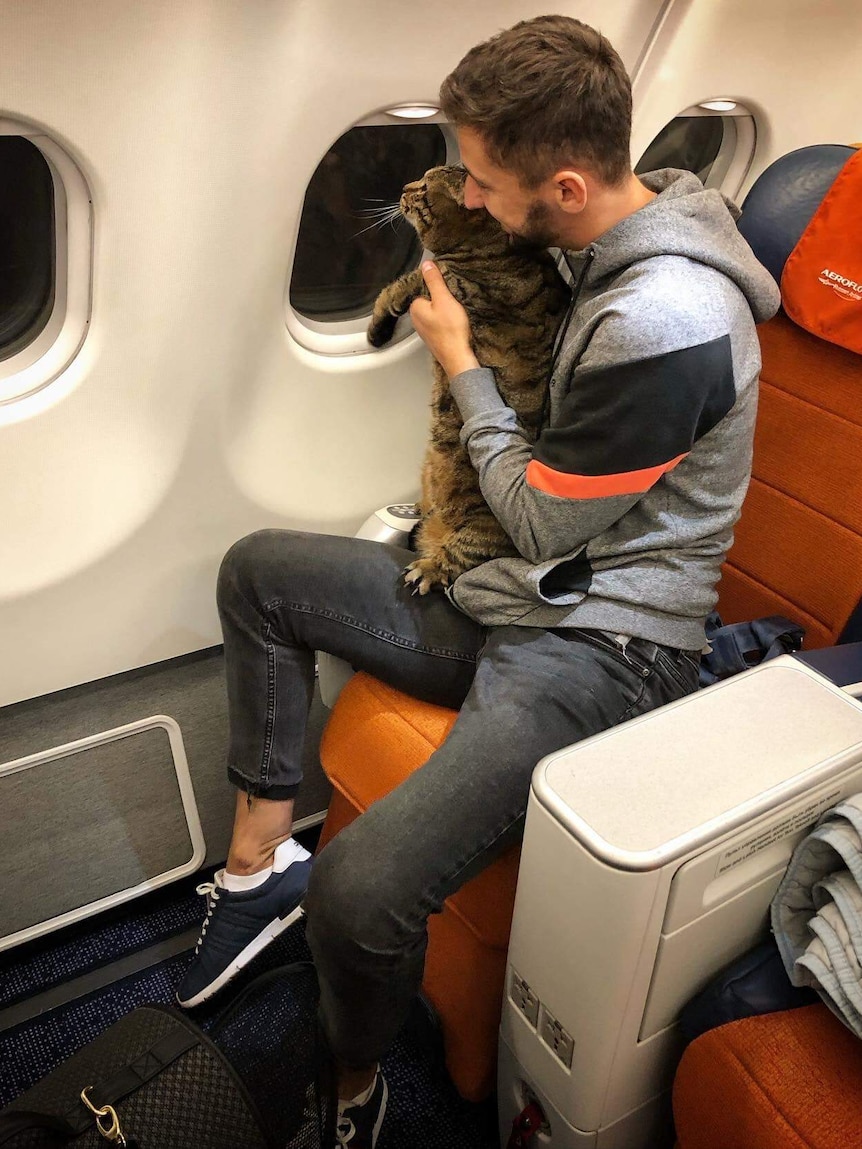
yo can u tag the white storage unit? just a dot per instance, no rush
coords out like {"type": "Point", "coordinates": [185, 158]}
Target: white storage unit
{"type": "Point", "coordinates": [651, 854]}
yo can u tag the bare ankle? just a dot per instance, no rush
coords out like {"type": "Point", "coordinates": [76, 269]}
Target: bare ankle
{"type": "Point", "coordinates": [260, 826]}
{"type": "Point", "coordinates": [250, 857]}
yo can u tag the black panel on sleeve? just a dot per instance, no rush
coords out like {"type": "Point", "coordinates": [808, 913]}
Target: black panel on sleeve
{"type": "Point", "coordinates": [633, 416]}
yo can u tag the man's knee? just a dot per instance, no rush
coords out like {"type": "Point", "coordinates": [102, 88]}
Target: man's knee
{"type": "Point", "coordinates": [353, 904]}
{"type": "Point", "coordinates": [247, 560]}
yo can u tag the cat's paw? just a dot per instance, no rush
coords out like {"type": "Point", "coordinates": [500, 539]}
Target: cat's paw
{"type": "Point", "coordinates": [426, 574]}
{"type": "Point", "coordinates": [380, 331]}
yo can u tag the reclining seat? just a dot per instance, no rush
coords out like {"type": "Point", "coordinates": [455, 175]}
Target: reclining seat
{"type": "Point", "coordinates": [793, 1079]}
{"type": "Point", "coordinates": [798, 553]}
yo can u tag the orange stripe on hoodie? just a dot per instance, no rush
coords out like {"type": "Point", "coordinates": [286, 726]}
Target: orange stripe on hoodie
{"type": "Point", "coordinates": [566, 486]}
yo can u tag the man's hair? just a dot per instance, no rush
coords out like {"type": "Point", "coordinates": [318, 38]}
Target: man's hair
{"type": "Point", "coordinates": [543, 94]}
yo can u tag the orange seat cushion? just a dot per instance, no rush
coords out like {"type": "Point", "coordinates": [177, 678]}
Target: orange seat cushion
{"type": "Point", "coordinates": [798, 548]}
{"type": "Point", "coordinates": [790, 1080]}
{"type": "Point", "coordinates": [376, 736]}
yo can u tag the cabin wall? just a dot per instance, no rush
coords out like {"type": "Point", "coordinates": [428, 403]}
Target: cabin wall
{"type": "Point", "coordinates": [190, 417]}
{"type": "Point", "coordinates": [792, 63]}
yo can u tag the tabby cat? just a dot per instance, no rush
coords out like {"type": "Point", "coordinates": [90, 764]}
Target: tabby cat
{"type": "Point", "coordinates": [515, 299]}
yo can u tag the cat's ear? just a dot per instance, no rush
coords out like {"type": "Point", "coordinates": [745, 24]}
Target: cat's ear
{"type": "Point", "coordinates": [456, 179]}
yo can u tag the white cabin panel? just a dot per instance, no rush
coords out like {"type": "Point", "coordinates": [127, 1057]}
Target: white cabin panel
{"type": "Point", "coordinates": [792, 63]}
{"type": "Point", "coordinates": [190, 416]}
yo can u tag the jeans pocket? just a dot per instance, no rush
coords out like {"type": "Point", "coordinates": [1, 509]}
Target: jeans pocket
{"type": "Point", "coordinates": [637, 654]}
{"type": "Point", "coordinates": [680, 665]}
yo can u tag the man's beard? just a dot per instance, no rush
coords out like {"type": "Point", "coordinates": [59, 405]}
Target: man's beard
{"type": "Point", "coordinates": [535, 231]}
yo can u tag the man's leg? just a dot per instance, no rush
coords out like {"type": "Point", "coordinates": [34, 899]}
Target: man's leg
{"type": "Point", "coordinates": [281, 596]}
{"type": "Point", "coordinates": [374, 885]}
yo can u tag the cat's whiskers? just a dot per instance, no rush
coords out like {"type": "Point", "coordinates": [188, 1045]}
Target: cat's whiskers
{"type": "Point", "coordinates": [391, 216]}
{"type": "Point", "coordinates": [388, 206]}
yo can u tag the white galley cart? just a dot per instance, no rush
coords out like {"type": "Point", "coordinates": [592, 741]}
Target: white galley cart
{"type": "Point", "coordinates": [651, 854]}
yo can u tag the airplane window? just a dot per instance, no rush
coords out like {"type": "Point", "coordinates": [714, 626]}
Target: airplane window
{"type": "Point", "coordinates": [348, 248]}
{"type": "Point", "coordinates": [692, 143]}
{"type": "Point", "coordinates": [27, 244]}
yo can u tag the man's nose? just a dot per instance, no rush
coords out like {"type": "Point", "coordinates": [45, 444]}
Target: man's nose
{"type": "Point", "coordinates": [472, 194]}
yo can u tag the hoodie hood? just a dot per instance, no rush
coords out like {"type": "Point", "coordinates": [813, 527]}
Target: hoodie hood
{"type": "Point", "coordinates": [692, 221]}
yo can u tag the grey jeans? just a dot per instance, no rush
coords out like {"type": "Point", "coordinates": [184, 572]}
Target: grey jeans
{"type": "Point", "coordinates": [522, 693]}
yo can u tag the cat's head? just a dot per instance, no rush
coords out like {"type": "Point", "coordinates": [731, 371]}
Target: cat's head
{"type": "Point", "coordinates": [435, 207]}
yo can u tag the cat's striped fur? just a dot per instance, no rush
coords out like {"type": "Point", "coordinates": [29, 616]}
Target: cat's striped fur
{"type": "Point", "coordinates": [515, 299]}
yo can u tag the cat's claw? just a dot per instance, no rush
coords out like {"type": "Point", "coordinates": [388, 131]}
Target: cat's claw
{"type": "Point", "coordinates": [423, 575]}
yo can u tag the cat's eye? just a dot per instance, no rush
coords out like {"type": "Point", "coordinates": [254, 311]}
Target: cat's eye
{"type": "Point", "coordinates": [352, 240]}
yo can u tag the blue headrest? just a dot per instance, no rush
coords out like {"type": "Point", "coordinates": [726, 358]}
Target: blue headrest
{"type": "Point", "coordinates": [781, 203]}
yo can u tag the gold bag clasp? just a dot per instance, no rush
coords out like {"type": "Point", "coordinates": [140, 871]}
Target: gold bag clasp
{"type": "Point", "coordinates": [107, 1121]}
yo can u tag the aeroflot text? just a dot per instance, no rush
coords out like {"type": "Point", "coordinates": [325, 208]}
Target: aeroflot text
{"type": "Point", "coordinates": [841, 279]}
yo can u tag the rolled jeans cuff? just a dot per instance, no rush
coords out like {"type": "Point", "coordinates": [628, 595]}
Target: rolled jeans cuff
{"type": "Point", "coordinates": [262, 790]}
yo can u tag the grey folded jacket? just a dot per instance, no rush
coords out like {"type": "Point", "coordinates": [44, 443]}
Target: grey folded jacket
{"type": "Point", "coordinates": [817, 912]}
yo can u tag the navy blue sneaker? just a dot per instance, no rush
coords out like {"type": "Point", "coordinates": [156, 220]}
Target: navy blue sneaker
{"type": "Point", "coordinates": [357, 1126]}
{"type": "Point", "coordinates": [238, 926]}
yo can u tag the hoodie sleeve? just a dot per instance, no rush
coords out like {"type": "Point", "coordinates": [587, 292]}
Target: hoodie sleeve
{"type": "Point", "coordinates": [619, 429]}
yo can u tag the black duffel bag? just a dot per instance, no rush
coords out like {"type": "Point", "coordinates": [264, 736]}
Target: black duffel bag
{"type": "Point", "coordinates": [156, 1080]}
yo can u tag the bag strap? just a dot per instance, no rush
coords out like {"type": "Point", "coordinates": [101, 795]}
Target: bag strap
{"type": "Point", "coordinates": [234, 1007]}
{"type": "Point", "coordinates": [25, 1121]}
{"type": "Point", "coordinates": [325, 1085]}
{"type": "Point", "coordinates": [132, 1076]}
{"type": "Point", "coordinates": [741, 645]}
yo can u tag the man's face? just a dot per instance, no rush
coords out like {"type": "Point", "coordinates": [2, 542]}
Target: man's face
{"type": "Point", "coordinates": [523, 214]}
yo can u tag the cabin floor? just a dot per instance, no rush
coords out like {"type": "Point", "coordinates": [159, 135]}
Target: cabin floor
{"type": "Point", "coordinates": [58, 993]}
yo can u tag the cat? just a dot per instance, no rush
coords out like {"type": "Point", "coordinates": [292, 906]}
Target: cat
{"type": "Point", "coordinates": [515, 299]}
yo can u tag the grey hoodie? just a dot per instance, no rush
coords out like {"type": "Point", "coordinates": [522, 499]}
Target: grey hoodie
{"type": "Point", "coordinates": [623, 510]}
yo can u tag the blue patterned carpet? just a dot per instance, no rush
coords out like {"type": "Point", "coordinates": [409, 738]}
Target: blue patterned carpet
{"type": "Point", "coordinates": [94, 943]}
{"type": "Point", "coordinates": [424, 1110]}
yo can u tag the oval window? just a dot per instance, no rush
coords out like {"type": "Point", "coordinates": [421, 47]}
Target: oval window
{"type": "Point", "coordinates": [46, 254]}
{"type": "Point", "coordinates": [352, 241]}
{"type": "Point", "coordinates": [27, 244]}
{"type": "Point", "coordinates": [717, 148]}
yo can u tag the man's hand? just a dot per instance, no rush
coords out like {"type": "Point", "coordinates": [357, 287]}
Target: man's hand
{"type": "Point", "coordinates": [443, 324]}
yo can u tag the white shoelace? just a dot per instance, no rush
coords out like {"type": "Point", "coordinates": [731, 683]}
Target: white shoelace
{"type": "Point", "coordinates": [344, 1131]}
{"type": "Point", "coordinates": [212, 894]}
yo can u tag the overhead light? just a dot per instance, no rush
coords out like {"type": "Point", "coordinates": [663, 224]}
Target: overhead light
{"type": "Point", "coordinates": [413, 111]}
{"type": "Point", "coordinates": [718, 105]}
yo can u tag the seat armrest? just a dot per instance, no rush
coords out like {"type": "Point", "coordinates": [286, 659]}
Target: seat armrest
{"type": "Point", "coordinates": [392, 525]}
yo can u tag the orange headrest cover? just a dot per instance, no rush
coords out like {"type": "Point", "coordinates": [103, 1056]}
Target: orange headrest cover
{"type": "Point", "coordinates": [821, 285]}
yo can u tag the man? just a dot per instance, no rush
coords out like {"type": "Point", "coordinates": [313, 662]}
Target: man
{"type": "Point", "coordinates": [621, 513]}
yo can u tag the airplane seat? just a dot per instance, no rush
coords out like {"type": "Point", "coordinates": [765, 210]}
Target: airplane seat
{"type": "Point", "coordinates": [798, 552]}
{"type": "Point", "coordinates": [794, 1078]}
{"type": "Point", "coordinates": [798, 544]}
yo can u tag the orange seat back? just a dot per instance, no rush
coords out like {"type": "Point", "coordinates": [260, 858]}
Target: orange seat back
{"type": "Point", "coordinates": [798, 548]}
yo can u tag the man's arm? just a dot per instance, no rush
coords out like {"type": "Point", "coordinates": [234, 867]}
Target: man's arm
{"type": "Point", "coordinates": [620, 428]}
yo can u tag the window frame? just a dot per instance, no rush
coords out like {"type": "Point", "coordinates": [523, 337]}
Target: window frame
{"type": "Point", "coordinates": [735, 157]}
{"type": "Point", "coordinates": [340, 337]}
{"type": "Point", "coordinates": [50, 352]}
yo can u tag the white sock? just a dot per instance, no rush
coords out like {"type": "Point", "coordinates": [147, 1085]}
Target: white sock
{"type": "Point", "coordinates": [285, 854]}
{"type": "Point", "coordinates": [360, 1098]}
{"type": "Point", "coordinates": [238, 882]}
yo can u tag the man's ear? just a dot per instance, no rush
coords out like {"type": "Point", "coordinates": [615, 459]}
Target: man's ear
{"type": "Point", "coordinates": [570, 191]}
